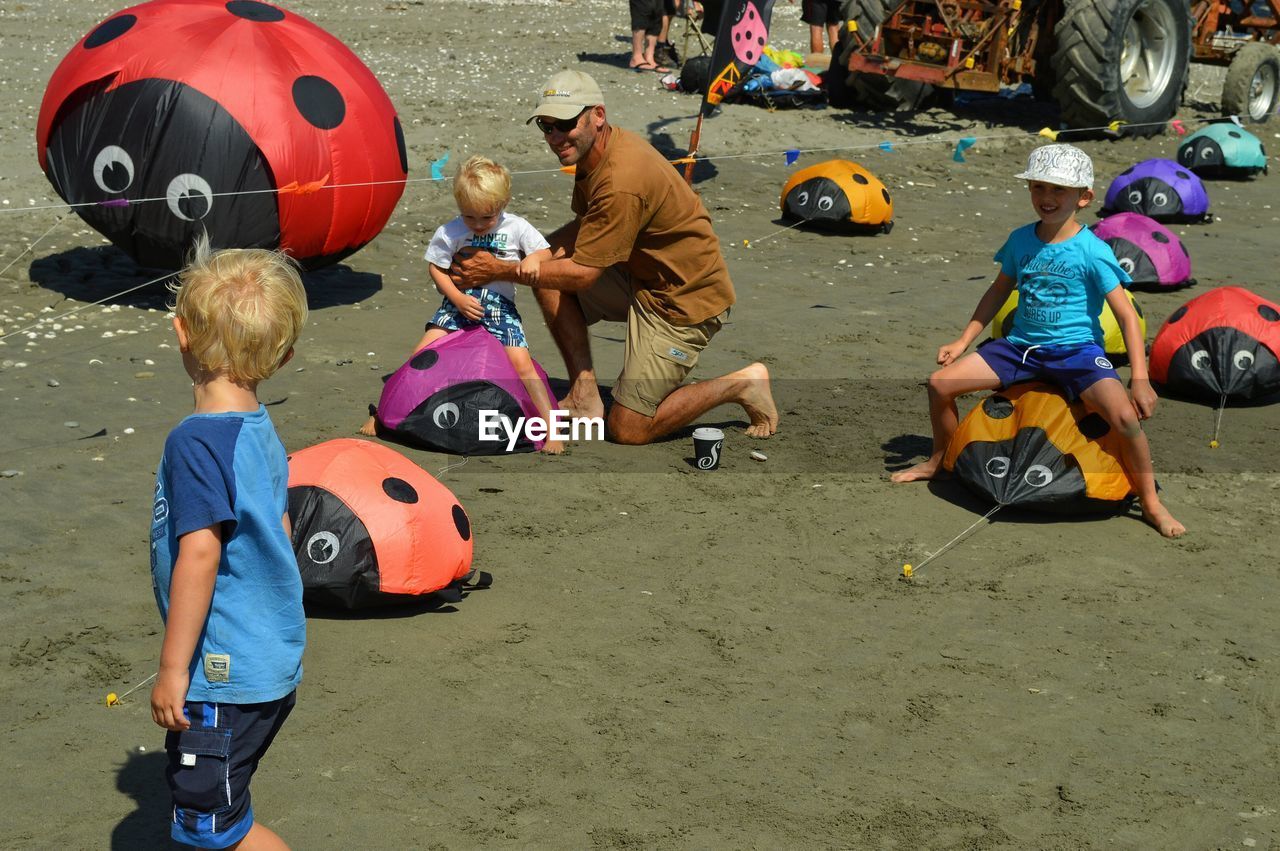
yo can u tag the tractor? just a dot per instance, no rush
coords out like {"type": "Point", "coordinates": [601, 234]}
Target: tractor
{"type": "Point", "coordinates": [1112, 65]}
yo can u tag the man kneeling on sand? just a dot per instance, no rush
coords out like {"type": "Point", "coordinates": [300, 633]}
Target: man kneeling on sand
{"type": "Point", "coordinates": [640, 250]}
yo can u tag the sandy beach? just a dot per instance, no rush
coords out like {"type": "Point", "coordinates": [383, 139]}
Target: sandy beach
{"type": "Point", "coordinates": [667, 658]}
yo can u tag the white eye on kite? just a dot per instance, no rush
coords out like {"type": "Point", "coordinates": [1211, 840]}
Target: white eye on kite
{"type": "Point", "coordinates": [826, 202]}
{"type": "Point", "coordinates": [323, 547]}
{"type": "Point", "coordinates": [1200, 360]}
{"type": "Point", "coordinates": [1038, 475]}
{"type": "Point", "coordinates": [446, 415]}
{"type": "Point", "coordinates": [998, 467]}
{"type": "Point", "coordinates": [802, 199]}
{"type": "Point", "coordinates": [1127, 264]}
{"type": "Point", "coordinates": [1243, 360]}
{"type": "Point", "coordinates": [113, 169]}
{"type": "Point", "coordinates": [1206, 152]}
{"type": "Point", "coordinates": [1135, 197]}
{"type": "Point", "coordinates": [1159, 199]}
{"type": "Point", "coordinates": [190, 197]}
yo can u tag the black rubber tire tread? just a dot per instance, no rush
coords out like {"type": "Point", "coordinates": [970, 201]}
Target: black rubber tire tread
{"type": "Point", "coordinates": [1087, 61]}
{"type": "Point", "coordinates": [873, 91]}
{"type": "Point", "coordinates": [1235, 89]}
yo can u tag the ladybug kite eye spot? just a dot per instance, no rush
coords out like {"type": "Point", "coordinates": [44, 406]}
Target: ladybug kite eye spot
{"type": "Point", "coordinates": [323, 547]}
{"type": "Point", "coordinates": [1159, 199]}
{"type": "Point", "coordinates": [446, 415]}
{"type": "Point", "coordinates": [1127, 264]}
{"type": "Point", "coordinates": [826, 202]}
{"type": "Point", "coordinates": [1135, 197]}
{"type": "Point", "coordinates": [998, 467]}
{"type": "Point", "coordinates": [1243, 360]}
{"type": "Point", "coordinates": [190, 197]}
{"type": "Point", "coordinates": [802, 199]}
{"type": "Point", "coordinates": [1200, 360]}
{"type": "Point", "coordinates": [1206, 152]}
{"type": "Point", "coordinates": [113, 169]}
{"type": "Point", "coordinates": [1038, 475]}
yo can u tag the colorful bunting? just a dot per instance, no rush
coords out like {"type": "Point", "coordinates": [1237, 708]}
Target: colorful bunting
{"type": "Point", "coordinates": [1051, 135]}
{"type": "Point", "coordinates": [886, 146]}
{"type": "Point", "coordinates": [437, 167]}
{"type": "Point", "coordinates": [963, 145]}
{"type": "Point", "coordinates": [792, 155]}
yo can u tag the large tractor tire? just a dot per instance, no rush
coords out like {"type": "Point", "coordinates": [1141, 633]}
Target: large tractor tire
{"type": "Point", "coordinates": [1252, 87]}
{"type": "Point", "coordinates": [1125, 60]}
{"type": "Point", "coordinates": [873, 91]}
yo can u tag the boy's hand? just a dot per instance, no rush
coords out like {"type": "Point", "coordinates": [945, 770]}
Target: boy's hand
{"type": "Point", "coordinates": [469, 306]}
{"type": "Point", "coordinates": [951, 351]}
{"type": "Point", "coordinates": [167, 698]}
{"type": "Point", "coordinates": [1143, 396]}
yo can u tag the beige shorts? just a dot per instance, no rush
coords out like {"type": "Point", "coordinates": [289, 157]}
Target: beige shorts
{"type": "Point", "coordinates": [659, 356]}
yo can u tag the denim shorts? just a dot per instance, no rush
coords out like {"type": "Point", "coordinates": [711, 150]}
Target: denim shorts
{"type": "Point", "coordinates": [210, 766]}
{"type": "Point", "coordinates": [1073, 368]}
{"type": "Point", "coordinates": [501, 319]}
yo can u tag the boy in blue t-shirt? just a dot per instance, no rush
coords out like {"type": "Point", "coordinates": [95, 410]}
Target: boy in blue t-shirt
{"type": "Point", "coordinates": [1063, 274]}
{"type": "Point", "coordinates": [222, 565]}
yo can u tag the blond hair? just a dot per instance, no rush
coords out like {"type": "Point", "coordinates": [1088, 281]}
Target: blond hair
{"type": "Point", "coordinates": [242, 309]}
{"type": "Point", "coordinates": [481, 186]}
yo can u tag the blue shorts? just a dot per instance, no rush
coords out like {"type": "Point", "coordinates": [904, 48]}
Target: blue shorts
{"type": "Point", "coordinates": [1073, 368]}
{"type": "Point", "coordinates": [210, 766]}
{"type": "Point", "coordinates": [501, 319]}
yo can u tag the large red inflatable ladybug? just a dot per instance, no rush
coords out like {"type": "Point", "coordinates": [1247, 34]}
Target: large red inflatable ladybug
{"type": "Point", "coordinates": [371, 528]}
{"type": "Point", "coordinates": [177, 116]}
{"type": "Point", "coordinates": [1223, 344]}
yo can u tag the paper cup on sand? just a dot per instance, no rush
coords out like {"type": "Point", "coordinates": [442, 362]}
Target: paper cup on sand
{"type": "Point", "coordinates": [706, 447]}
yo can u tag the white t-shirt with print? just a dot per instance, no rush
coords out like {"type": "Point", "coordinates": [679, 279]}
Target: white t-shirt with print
{"type": "Point", "coordinates": [512, 239]}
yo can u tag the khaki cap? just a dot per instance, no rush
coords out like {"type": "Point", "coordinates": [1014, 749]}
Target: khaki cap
{"type": "Point", "coordinates": [566, 94]}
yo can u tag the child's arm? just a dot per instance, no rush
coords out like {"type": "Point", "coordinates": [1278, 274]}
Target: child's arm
{"type": "Point", "coordinates": [190, 593]}
{"type": "Point", "coordinates": [527, 271]}
{"type": "Point", "coordinates": [1140, 389]}
{"type": "Point", "coordinates": [468, 305]}
{"type": "Point", "coordinates": [990, 303]}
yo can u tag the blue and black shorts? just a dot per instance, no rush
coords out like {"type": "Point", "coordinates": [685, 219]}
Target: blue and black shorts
{"type": "Point", "coordinates": [211, 764]}
{"type": "Point", "coordinates": [501, 319]}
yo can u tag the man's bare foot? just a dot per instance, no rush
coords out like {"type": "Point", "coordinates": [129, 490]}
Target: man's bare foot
{"type": "Point", "coordinates": [1158, 516]}
{"type": "Point", "coordinates": [583, 401]}
{"type": "Point", "coordinates": [925, 471]}
{"type": "Point", "coordinates": [370, 427]}
{"type": "Point", "coordinates": [757, 400]}
{"type": "Point", "coordinates": [552, 447]}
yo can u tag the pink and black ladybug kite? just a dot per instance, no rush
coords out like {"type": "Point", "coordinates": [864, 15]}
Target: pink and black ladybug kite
{"type": "Point", "coordinates": [1152, 255]}
{"type": "Point", "coordinates": [180, 116]}
{"type": "Point", "coordinates": [371, 528]}
{"type": "Point", "coordinates": [1224, 344]}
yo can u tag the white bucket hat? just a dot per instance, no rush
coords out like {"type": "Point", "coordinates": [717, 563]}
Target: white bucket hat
{"type": "Point", "coordinates": [1062, 165]}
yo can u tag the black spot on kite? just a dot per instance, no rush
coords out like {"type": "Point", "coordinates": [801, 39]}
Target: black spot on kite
{"type": "Point", "coordinates": [1185, 252]}
{"type": "Point", "coordinates": [1127, 170]}
{"type": "Point", "coordinates": [1233, 134]}
{"type": "Point", "coordinates": [424, 359]}
{"type": "Point", "coordinates": [461, 522]}
{"type": "Point", "coordinates": [857, 178]}
{"type": "Point", "coordinates": [997, 407]}
{"type": "Point", "coordinates": [1182, 174]}
{"type": "Point", "coordinates": [1159, 237]}
{"type": "Point", "coordinates": [400, 149]}
{"type": "Point", "coordinates": [1093, 427]}
{"type": "Point", "coordinates": [399, 490]}
{"type": "Point", "coordinates": [885, 193]}
{"type": "Point", "coordinates": [110, 31]}
{"type": "Point", "coordinates": [319, 102]}
{"type": "Point", "coordinates": [1269, 313]}
{"type": "Point", "coordinates": [1178, 314]}
{"type": "Point", "coordinates": [251, 10]}
{"type": "Point", "coordinates": [1137, 308]}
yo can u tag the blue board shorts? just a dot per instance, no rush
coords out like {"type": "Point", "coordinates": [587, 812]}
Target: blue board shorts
{"type": "Point", "coordinates": [211, 764]}
{"type": "Point", "coordinates": [1073, 368]}
{"type": "Point", "coordinates": [501, 319]}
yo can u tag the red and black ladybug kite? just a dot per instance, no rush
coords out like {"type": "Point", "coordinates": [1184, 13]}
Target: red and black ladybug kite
{"type": "Point", "coordinates": [232, 115]}
{"type": "Point", "coordinates": [371, 528]}
{"type": "Point", "coordinates": [1223, 344]}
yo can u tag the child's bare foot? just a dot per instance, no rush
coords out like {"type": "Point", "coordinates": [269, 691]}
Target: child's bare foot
{"type": "Point", "coordinates": [552, 447]}
{"type": "Point", "coordinates": [924, 471]}
{"type": "Point", "coordinates": [370, 427]}
{"type": "Point", "coordinates": [1158, 516]}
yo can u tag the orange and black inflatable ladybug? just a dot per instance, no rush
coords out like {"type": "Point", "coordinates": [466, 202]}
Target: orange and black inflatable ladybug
{"type": "Point", "coordinates": [838, 195]}
{"type": "Point", "coordinates": [226, 116]}
{"type": "Point", "coordinates": [371, 528]}
{"type": "Point", "coordinates": [1026, 446]}
{"type": "Point", "coordinates": [1222, 344]}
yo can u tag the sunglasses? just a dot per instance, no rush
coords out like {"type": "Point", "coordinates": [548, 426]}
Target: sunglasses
{"type": "Point", "coordinates": [564, 125]}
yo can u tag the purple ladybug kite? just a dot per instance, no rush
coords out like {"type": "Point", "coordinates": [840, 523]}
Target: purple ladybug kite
{"type": "Point", "coordinates": [1159, 189]}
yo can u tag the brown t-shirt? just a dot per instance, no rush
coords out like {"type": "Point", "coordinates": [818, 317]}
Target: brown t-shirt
{"type": "Point", "coordinates": [635, 208]}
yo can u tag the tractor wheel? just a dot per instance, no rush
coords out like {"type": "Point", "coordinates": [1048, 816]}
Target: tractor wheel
{"type": "Point", "coordinates": [874, 91]}
{"type": "Point", "coordinates": [1252, 88]}
{"type": "Point", "coordinates": [1125, 60]}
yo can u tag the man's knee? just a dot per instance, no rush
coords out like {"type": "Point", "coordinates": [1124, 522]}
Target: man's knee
{"type": "Point", "coordinates": [629, 428]}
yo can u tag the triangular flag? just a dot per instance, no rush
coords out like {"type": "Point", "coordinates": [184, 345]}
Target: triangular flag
{"type": "Point", "coordinates": [963, 145]}
{"type": "Point", "coordinates": [1177, 127]}
{"type": "Point", "coordinates": [1051, 135]}
{"type": "Point", "coordinates": [792, 155]}
{"type": "Point", "coordinates": [886, 146]}
{"type": "Point", "coordinates": [437, 167]}
{"type": "Point", "coordinates": [1114, 126]}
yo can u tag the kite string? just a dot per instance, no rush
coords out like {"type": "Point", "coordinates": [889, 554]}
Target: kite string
{"type": "Point", "coordinates": [750, 242]}
{"type": "Point", "coordinates": [103, 300]}
{"type": "Point", "coordinates": [32, 246]}
{"type": "Point", "coordinates": [949, 544]}
{"type": "Point", "coordinates": [1222, 407]}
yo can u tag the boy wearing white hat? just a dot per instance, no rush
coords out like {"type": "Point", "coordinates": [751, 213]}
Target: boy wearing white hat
{"type": "Point", "coordinates": [1063, 274]}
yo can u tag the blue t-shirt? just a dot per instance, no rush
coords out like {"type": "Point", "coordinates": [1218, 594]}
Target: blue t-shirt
{"type": "Point", "coordinates": [231, 469]}
{"type": "Point", "coordinates": [1061, 286]}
